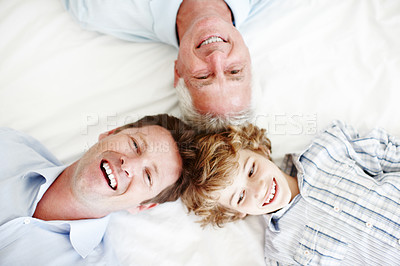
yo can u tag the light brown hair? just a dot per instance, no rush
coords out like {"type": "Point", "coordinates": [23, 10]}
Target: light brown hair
{"type": "Point", "coordinates": [215, 166]}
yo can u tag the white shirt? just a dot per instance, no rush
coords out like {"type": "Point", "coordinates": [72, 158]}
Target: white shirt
{"type": "Point", "coordinates": [27, 171]}
{"type": "Point", "coordinates": [144, 20]}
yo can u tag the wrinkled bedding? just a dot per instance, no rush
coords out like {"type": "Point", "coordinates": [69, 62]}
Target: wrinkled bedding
{"type": "Point", "coordinates": [314, 61]}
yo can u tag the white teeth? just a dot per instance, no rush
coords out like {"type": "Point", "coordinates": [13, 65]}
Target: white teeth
{"type": "Point", "coordinates": [111, 177]}
{"type": "Point", "coordinates": [272, 194]}
{"type": "Point", "coordinates": [211, 40]}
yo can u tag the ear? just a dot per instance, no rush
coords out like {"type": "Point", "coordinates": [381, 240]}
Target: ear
{"type": "Point", "coordinates": [242, 215]}
{"type": "Point", "coordinates": [176, 74]}
{"type": "Point", "coordinates": [105, 134]}
{"type": "Point", "coordinates": [140, 208]}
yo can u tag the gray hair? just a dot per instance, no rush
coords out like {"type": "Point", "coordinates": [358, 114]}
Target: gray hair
{"type": "Point", "coordinates": [208, 121]}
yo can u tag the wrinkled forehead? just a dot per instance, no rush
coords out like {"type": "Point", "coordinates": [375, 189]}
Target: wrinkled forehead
{"type": "Point", "coordinates": [232, 98]}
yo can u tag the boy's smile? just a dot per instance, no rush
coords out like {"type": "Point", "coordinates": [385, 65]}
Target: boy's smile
{"type": "Point", "coordinates": [259, 187]}
{"type": "Point", "coordinates": [270, 196]}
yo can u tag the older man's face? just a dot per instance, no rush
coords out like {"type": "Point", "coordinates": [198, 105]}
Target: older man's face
{"type": "Point", "coordinates": [215, 64]}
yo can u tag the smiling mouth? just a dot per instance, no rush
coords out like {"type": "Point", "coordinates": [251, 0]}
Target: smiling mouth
{"type": "Point", "coordinates": [108, 174]}
{"type": "Point", "coordinates": [271, 195]}
{"type": "Point", "coordinates": [212, 39]}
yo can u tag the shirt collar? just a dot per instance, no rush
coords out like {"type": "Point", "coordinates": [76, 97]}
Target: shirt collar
{"type": "Point", "coordinates": [86, 235]}
{"type": "Point", "coordinates": [272, 219]}
{"type": "Point", "coordinates": [240, 11]}
{"type": "Point", "coordinates": [292, 167]}
{"type": "Point", "coordinates": [48, 174]}
{"type": "Point", "coordinates": [164, 14]}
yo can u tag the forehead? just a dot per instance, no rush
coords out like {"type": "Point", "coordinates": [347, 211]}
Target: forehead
{"type": "Point", "coordinates": [226, 195]}
{"type": "Point", "coordinates": [159, 148]}
{"type": "Point", "coordinates": [156, 139]}
{"type": "Point", "coordinates": [235, 180]}
{"type": "Point", "coordinates": [153, 133]}
{"type": "Point", "coordinates": [222, 99]}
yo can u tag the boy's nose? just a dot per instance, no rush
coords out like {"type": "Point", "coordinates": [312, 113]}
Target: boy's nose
{"type": "Point", "coordinates": [259, 188]}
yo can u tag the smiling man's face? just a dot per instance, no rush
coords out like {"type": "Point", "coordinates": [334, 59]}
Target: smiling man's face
{"type": "Point", "coordinates": [124, 169]}
{"type": "Point", "coordinates": [215, 63]}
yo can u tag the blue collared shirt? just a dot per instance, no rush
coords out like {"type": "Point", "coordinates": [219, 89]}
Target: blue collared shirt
{"type": "Point", "coordinates": [27, 171]}
{"type": "Point", "coordinates": [348, 209]}
{"type": "Point", "coordinates": [144, 20]}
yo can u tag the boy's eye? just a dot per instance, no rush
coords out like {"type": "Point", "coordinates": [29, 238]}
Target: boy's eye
{"type": "Point", "coordinates": [241, 197]}
{"type": "Point", "coordinates": [251, 172]}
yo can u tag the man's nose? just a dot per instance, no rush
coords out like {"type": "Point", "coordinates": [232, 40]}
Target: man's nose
{"type": "Point", "coordinates": [130, 164]}
{"type": "Point", "coordinates": [216, 60]}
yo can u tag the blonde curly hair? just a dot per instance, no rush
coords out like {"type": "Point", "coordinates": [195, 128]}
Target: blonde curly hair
{"type": "Point", "coordinates": [214, 167]}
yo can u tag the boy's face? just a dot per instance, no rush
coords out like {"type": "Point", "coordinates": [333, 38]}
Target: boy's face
{"type": "Point", "coordinates": [259, 187]}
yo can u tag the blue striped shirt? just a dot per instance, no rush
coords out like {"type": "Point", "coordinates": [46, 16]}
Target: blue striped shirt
{"type": "Point", "coordinates": [348, 209]}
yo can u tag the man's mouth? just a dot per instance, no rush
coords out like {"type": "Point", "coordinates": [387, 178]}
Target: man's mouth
{"type": "Point", "coordinates": [108, 174]}
{"type": "Point", "coordinates": [211, 39]}
{"type": "Point", "coordinates": [270, 197]}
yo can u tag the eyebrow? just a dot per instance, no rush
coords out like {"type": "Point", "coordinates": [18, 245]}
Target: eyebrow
{"type": "Point", "coordinates": [210, 82]}
{"type": "Point", "coordinates": [143, 142]}
{"type": "Point", "coordinates": [245, 163]}
{"type": "Point", "coordinates": [156, 169]}
{"type": "Point", "coordinates": [231, 199]}
{"type": "Point", "coordinates": [243, 169]}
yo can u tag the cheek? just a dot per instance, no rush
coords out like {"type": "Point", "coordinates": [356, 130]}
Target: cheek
{"type": "Point", "coordinates": [183, 57]}
{"type": "Point", "coordinates": [248, 205]}
{"type": "Point", "coordinates": [188, 63]}
{"type": "Point", "coordinates": [85, 169]}
{"type": "Point", "coordinates": [138, 191]}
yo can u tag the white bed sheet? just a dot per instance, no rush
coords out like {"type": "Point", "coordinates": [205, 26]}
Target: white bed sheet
{"type": "Point", "coordinates": [315, 60]}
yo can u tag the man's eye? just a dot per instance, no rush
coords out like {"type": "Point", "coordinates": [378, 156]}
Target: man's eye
{"type": "Point", "coordinates": [202, 77]}
{"type": "Point", "coordinates": [135, 145]}
{"type": "Point", "coordinates": [149, 179]}
{"type": "Point", "coordinates": [235, 71]}
{"type": "Point", "coordinates": [251, 172]}
{"type": "Point", "coordinates": [241, 197]}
